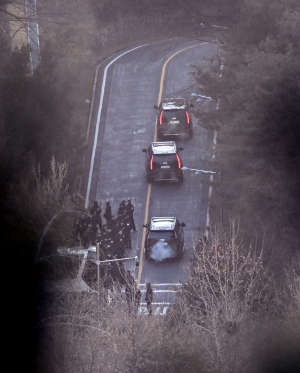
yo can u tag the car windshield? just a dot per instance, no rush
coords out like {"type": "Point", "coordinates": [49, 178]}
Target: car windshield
{"type": "Point", "coordinates": [157, 235]}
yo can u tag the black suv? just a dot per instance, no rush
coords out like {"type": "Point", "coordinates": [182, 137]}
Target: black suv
{"type": "Point", "coordinates": [164, 239]}
{"type": "Point", "coordinates": [174, 118]}
{"type": "Point", "coordinates": [163, 162]}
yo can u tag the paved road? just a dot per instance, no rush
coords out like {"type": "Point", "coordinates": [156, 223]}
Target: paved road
{"type": "Point", "coordinates": [124, 125]}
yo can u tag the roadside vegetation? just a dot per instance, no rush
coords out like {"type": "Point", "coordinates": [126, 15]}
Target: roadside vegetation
{"type": "Point", "coordinates": [256, 82]}
{"type": "Point", "coordinates": [241, 306]}
{"type": "Point", "coordinates": [230, 316]}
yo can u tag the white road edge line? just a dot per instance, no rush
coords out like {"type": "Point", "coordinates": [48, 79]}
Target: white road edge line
{"type": "Point", "coordinates": [155, 291]}
{"type": "Point", "coordinates": [158, 303]}
{"type": "Point", "coordinates": [166, 284]}
{"type": "Point", "coordinates": [98, 121]}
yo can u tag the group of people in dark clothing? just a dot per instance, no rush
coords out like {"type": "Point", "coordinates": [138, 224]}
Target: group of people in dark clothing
{"type": "Point", "coordinates": [114, 237]}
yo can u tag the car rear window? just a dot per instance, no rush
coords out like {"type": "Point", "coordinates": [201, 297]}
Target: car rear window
{"type": "Point", "coordinates": [157, 235]}
{"type": "Point", "coordinates": [161, 159]}
{"type": "Point", "coordinates": [168, 114]}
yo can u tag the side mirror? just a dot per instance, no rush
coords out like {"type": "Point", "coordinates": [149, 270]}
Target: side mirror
{"type": "Point", "coordinates": [145, 225]}
{"type": "Point", "coordinates": [155, 107]}
{"type": "Point", "coordinates": [144, 150]}
{"type": "Point", "coordinates": [180, 149]}
{"type": "Point", "coordinates": [183, 225]}
{"type": "Point", "coordinates": [191, 104]}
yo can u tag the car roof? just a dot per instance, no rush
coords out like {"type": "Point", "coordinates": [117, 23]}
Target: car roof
{"type": "Point", "coordinates": [162, 223]}
{"type": "Point", "coordinates": [164, 147]}
{"type": "Point", "coordinates": [173, 103]}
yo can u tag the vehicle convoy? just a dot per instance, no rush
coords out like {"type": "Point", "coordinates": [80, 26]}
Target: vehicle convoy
{"type": "Point", "coordinates": [174, 118]}
{"type": "Point", "coordinates": [164, 239]}
{"type": "Point", "coordinates": [163, 162]}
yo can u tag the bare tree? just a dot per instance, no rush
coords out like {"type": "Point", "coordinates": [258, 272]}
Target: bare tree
{"type": "Point", "coordinates": [48, 198]}
{"type": "Point", "coordinates": [85, 335]}
{"type": "Point", "coordinates": [293, 287]}
{"type": "Point", "coordinates": [13, 18]}
{"type": "Point", "coordinates": [75, 337]}
{"type": "Point", "coordinates": [225, 297]}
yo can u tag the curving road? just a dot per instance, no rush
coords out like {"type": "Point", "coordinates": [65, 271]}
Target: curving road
{"type": "Point", "coordinates": [122, 123]}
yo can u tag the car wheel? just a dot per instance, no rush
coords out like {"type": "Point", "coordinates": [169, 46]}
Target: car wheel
{"type": "Point", "coordinates": [180, 179]}
{"type": "Point", "coordinates": [149, 179]}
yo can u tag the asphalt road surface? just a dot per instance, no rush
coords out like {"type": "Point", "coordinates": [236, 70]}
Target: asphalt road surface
{"type": "Point", "coordinates": [122, 124]}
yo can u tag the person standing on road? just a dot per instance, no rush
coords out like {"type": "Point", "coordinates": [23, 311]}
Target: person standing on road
{"type": "Point", "coordinates": [107, 212]}
{"type": "Point", "coordinates": [129, 209]}
{"type": "Point", "coordinates": [149, 298]}
{"type": "Point", "coordinates": [121, 208]}
{"type": "Point", "coordinates": [127, 227]}
{"type": "Point", "coordinates": [96, 222]}
{"type": "Point", "coordinates": [95, 208]}
{"type": "Point", "coordinates": [137, 298]}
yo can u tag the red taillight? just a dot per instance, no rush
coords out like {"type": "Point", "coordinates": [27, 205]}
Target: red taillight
{"type": "Point", "coordinates": [151, 162]}
{"type": "Point", "coordinates": [161, 117]}
{"type": "Point", "coordinates": [178, 161]}
{"type": "Point", "coordinates": [188, 119]}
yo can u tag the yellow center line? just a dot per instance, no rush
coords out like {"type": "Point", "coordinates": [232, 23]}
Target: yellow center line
{"type": "Point", "coordinates": [161, 86]}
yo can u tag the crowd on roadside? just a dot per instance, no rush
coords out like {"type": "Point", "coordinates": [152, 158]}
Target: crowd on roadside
{"type": "Point", "coordinates": [113, 237]}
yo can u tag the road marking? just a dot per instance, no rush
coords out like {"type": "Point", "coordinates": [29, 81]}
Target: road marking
{"type": "Point", "coordinates": [161, 86]}
{"type": "Point", "coordinates": [166, 284]}
{"type": "Point", "coordinates": [159, 303]}
{"type": "Point", "coordinates": [155, 291]}
{"type": "Point", "coordinates": [158, 311]}
{"type": "Point", "coordinates": [160, 291]}
{"type": "Point", "coordinates": [98, 121]}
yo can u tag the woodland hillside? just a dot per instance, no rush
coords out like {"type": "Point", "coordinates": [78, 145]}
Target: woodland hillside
{"type": "Point", "coordinates": [43, 126]}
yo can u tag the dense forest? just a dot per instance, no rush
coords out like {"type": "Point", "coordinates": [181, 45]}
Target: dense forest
{"type": "Point", "coordinates": [255, 205]}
